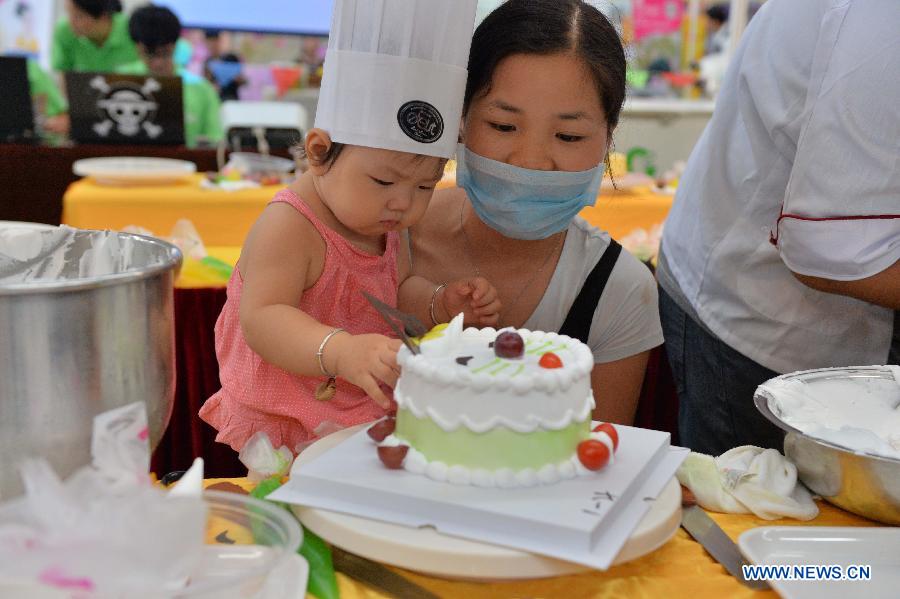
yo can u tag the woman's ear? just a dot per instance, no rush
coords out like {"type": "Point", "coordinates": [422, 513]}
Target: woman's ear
{"type": "Point", "coordinates": [317, 146]}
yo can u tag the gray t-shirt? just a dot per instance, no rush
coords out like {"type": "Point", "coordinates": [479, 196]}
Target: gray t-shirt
{"type": "Point", "coordinates": [626, 320]}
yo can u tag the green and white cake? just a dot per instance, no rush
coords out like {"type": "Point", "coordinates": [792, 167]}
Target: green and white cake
{"type": "Point", "coordinates": [493, 408]}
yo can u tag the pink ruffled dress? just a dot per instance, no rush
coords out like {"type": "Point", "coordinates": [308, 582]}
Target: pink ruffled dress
{"type": "Point", "coordinates": [257, 396]}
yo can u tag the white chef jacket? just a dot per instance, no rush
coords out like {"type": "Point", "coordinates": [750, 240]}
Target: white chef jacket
{"type": "Point", "coordinates": [803, 149]}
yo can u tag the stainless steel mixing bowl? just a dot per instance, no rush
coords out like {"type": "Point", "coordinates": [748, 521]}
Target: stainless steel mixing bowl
{"type": "Point", "coordinates": [862, 483]}
{"type": "Point", "coordinates": [72, 347]}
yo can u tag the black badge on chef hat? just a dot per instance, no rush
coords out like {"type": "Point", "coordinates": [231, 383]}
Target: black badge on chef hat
{"type": "Point", "coordinates": [421, 121]}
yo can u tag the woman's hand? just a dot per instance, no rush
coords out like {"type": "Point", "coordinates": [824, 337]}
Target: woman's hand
{"type": "Point", "coordinates": [475, 297]}
{"type": "Point", "coordinates": [366, 361]}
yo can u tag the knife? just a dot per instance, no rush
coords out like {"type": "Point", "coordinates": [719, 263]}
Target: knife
{"type": "Point", "coordinates": [378, 576]}
{"type": "Point", "coordinates": [399, 322]}
{"type": "Point", "coordinates": [705, 531]}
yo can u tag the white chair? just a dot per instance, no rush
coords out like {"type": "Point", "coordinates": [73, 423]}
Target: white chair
{"type": "Point", "coordinates": [262, 121]}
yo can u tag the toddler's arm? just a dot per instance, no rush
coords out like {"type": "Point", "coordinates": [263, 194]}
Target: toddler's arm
{"type": "Point", "coordinates": [283, 256]}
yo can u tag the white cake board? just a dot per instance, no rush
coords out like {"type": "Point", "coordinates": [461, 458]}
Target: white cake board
{"type": "Point", "coordinates": [586, 519]}
{"type": "Point", "coordinates": [427, 551]}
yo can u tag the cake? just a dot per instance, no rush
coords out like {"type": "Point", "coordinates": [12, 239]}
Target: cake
{"type": "Point", "coordinates": [508, 408]}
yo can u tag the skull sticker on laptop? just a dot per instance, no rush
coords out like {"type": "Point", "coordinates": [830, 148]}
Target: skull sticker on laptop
{"type": "Point", "coordinates": [127, 107]}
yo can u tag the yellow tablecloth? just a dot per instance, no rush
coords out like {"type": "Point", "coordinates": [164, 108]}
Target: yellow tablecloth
{"type": "Point", "coordinates": [680, 568]}
{"type": "Point", "coordinates": [224, 218]}
{"type": "Point", "coordinates": [221, 217]}
{"type": "Point", "coordinates": [620, 212]}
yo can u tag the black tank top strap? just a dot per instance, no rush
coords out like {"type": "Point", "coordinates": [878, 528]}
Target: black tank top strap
{"type": "Point", "coordinates": [578, 321]}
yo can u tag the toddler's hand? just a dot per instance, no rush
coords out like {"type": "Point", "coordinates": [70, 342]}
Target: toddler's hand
{"type": "Point", "coordinates": [366, 361]}
{"type": "Point", "coordinates": [476, 298]}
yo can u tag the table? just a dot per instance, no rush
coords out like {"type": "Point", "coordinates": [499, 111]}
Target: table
{"type": "Point", "coordinates": [224, 218]}
{"type": "Point", "coordinates": [33, 178]}
{"type": "Point", "coordinates": [680, 568]}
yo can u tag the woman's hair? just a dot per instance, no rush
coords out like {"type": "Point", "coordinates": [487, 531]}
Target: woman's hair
{"type": "Point", "coordinates": [550, 27]}
{"type": "Point", "coordinates": [99, 8]}
{"type": "Point", "coordinates": [154, 26]}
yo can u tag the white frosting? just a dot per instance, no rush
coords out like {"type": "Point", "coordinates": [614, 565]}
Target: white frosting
{"type": "Point", "coordinates": [523, 396]}
{"type": "Point", "coordinates": [860, 413]}
{"type": "Point", "coordinates": [21, 243]}
{"type": "Point", "coordinates": [504, 478]}
{"type": "Point", "coordinates": [606, 440]}
{"type": "Point", "coordinates": [44, 254]}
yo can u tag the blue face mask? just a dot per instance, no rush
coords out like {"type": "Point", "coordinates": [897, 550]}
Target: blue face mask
{"type": "Point", "coordinates": [522, 203]}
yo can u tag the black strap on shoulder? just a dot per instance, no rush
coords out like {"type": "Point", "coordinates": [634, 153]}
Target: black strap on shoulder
{"type": "Point", "coordinates": [578, 321]}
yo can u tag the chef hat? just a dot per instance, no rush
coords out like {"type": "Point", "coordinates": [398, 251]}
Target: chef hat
{"type": "Point", "coordinates": [395, 74]}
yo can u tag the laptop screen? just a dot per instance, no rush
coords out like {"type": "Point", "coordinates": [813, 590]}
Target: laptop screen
{"type": "Point", "coordinates": [17, 116]}
{"type": "Point", "coordinates": [125, 109]}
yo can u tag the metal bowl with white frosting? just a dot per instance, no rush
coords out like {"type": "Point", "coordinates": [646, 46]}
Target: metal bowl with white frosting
{"type": "Point", "coordinates": [86, 325]}
{"type": "Point", "coordinates": [843, 433]}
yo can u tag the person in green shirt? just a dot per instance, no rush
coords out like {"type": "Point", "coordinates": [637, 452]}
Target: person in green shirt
{"type": "Point", "coordinates": [45, 91]}
{"type": "Point", "coordinates": [155, 30]}
{"type": "Point", "coordinates": [94, 37]}
{"type": "Point", "coordinates": [48, 100]}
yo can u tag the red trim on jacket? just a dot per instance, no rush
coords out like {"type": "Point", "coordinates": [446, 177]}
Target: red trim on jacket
{"type": "Point", "coordinates": [773, 235]}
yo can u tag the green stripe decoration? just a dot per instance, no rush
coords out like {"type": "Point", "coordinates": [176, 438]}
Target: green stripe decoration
{"type": "Point", "coordinates": [488, 365]}
{"type": "Point", "coordinates": [503, 366]}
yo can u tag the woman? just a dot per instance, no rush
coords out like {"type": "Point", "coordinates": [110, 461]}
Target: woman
{"type": "Point", "coordinates": [545, 87]}
{"type": "Point", "coordinates": [94, 37]}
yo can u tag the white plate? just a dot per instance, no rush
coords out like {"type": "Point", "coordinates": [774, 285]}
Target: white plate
{"type": "Point", "coordinates": [133, 170]}
{"type": "Point", "coordinates": [844, 546]}
{"type": "Point", "coordinates": [427, 551]}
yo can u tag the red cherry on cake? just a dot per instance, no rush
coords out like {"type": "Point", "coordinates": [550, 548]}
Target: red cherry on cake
{"type": "Point", "coordinates": [382, 429]}
{"type": "Point", "coordinates": [509, 344]}
{"type": "Point", "coordinates": [611, 431]}
{"type": "Point", "coordinates": [392, 457]}
{"type": "Point", "coordinates": [550, 360]}
{"type": "Point", "coordinates": [592, 454]}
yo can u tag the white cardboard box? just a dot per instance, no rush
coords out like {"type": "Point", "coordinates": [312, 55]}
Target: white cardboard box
{"type": "Point", "coordinates": [584, 520]}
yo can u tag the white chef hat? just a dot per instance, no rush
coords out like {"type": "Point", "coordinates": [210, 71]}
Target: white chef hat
{"type": "Point", "coordinates": [395, 74]}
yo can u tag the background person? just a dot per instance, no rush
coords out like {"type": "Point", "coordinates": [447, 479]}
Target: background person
{"type": "Point", "coordinates": [93, 37]}
{"type": "Point", "coordinates": [781, 250]}
{"type": "Point", "coordinates": [156, 31]}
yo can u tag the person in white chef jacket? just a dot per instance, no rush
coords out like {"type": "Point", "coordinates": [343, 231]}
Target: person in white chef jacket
{"type": "Point", "coordinates": [781, 251]}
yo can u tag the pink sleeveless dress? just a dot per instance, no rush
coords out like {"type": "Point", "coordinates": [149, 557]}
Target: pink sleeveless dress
{"type": "Point", "coordinates": [257, 396]}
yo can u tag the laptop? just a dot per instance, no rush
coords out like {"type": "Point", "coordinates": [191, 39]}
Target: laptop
{"type": "Point", "coordinates": [17, 115]}
{"type": "Point", "coordinates": [109, 108]}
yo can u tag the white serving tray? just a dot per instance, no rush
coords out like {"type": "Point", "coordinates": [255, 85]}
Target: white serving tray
{"type": "Point", "coordinates": [134, 170]}
{"type": "Point", "coordinates": [586, 520]}
{"type": "Point", "coordinates": [824, 545]}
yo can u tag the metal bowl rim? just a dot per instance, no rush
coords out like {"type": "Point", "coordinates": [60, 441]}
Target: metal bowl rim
{"type": "Point", "coordinates": [761, 400]}
{"type": "Point", "coordinates": [173, 260]}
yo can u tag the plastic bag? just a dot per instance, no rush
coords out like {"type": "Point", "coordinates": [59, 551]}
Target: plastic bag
{"type": "Point", "coordinates": [263, 460]}
{"type": "Point", "coordinates": [107, 531]}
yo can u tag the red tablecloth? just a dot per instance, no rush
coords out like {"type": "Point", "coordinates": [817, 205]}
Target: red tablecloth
{"type": "Point", "coordinates": [196, 378]}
